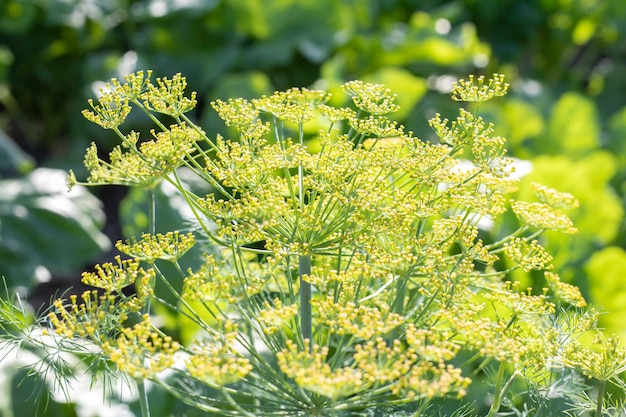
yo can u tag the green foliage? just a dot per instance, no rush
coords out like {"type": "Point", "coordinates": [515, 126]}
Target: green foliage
{"type": "Point", "coordinates": [36, 213]}
{"type": "Point", "coordinates": [606, 268]}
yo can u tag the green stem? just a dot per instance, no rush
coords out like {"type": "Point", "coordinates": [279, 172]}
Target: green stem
{"type": "Point", "coordinates": [601, 389]}
{"type": "Point", "coordinates": [151, 211]}
{"type": "Point", "coordinates": [500, 390]}
{"type": "Point", "coordinates": [306, 312]}
{"type": "Point", "coordinates": [141, 383]}
{"type": "Point", "coordinates": [143, 398]}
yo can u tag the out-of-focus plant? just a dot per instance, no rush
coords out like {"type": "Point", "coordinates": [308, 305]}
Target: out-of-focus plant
{"type": "Point", "coordinates": [35, 211]}
{"type": "Point", "coordinates": [351, 276]}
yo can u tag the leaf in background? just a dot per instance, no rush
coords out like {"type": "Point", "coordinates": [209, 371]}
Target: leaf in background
{"type": "Point", "coordinates": [607, 286]}
{"type": "Point", "coordinates": [598, 218]}
{"type": "Point", "coordinates": [12, 158]}
{"type": "Point", "coordinates": [573, 127]}
{"type": "Point", "coordinates": [43, 228]}
{"type": "Point", "coordinates": [521, 123]}
{"type": "Point", "coordinates": [17, 16]}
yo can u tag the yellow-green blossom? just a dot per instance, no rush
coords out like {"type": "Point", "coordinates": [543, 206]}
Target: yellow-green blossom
{"type": "Point", "coordinates": [605, 360]}
{"type": "Point", "coordinates": [140, 351]}
{"type": "Point", "coordinates": [114, 277]}
{"type": "Point", "coordinates": [563, 291]}
{"type": "Point", "coordinates": [111, 111]}
{"type": "Point", "coordinates": [476, 89]}
{"type": "Point", "coordinates": [375, 99]}
{"type": "Point", "coordinates": [168, 97]}
{"type": "Point", "coordinates": [310, 370]}
{"type": "Point", "coordinates": [543, 216]}
{"type": "Point", "coordinates": [529, 255]}
{"type": "Point", "coordinates": [170, 246]}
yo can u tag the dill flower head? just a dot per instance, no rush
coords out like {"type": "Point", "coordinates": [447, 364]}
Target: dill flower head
{"type": "Point", "coordinates": [604, 360]}
{"type": "Point", "coordinates": [140, 351]}
{"type": "Point", "coordinates": [563, 291]}
{"type": "Point", "coordinates": [168, 96]}
{"type": "Point", "coordinates": [216, 362]}
{"type": "Point", "coordinates": [479, 89]}
{"type": "Point", "coordinates": [170, 246]}
{"type": "Point", "coordinates": [310, 370]}
{"type": "Point", "coordinates": [349, 268]}
{"type": "Point", "coordinates": [375, 99]}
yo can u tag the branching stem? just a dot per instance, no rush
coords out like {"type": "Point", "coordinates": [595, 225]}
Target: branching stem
{"type": "Point", "coordinates": [304, 268]}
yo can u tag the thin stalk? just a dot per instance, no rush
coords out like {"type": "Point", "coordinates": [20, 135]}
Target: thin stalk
{"type": "Point", "coordinates": [306, 312]}
{"type": "Point", "coordinates": [151, 211]}
{"type": "Point", "coordinates": [141, 384]}
{"type": "Point", "coordinates": [234, 404]}
{"type": "Point", "coordinates": [143, 398]}
{"type": "Point", "coordinates": [500, 390]}
{"type": "Point", "coordinates": [601, 389]}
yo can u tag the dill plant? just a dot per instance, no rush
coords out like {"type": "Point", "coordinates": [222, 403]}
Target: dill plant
{"type": "Point", "coordinates": [351, 279]}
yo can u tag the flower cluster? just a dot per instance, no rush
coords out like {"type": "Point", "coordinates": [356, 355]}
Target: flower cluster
{"type": "Point", "coordinates": [475, 89]}
{"type": "Point", "coordinates": [217, 363]}
{"type": "Point", "coordinates": [140, 351]}
{"type": "Point", "coordinates": [170, 246]}
{"type": "Point", "coordinates": [350, 269]}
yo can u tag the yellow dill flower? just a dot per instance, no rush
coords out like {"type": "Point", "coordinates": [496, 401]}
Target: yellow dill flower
{"type": "Point", "coordinates": [310, 370]}
{"type": "Point", "coordinates": [273, 318]}
{"type": "Point", "coordinates": [167, 150]}
{"type": "Point", "coordinates": [382, 363]}
{"type": "Point", "coordinates": [475, 89]}
{"type": "Point", "coordinates": [528, 255]}
{"type": "Point", "coordinates": [140, 351]}
{"type": "Point", "coordinates": [461, 131]}
{"type": "Point", "coordinates": [359, 321]}
{"type": "Point", "coordinates": [168, 97]}
{"type": "Point", "coordinates": [543, 216]}
{"type": "Point", "coordinates": [489, 154]}
{"type": "Point", "coordinates": [136, 84]}
{"type": "Point", "coordinates": [93, 315]}
{"type": "Point", "coordinates": [334, 114]}
{"type": "Point", "coordinates": [376, 126]}
{"type": "Point", "coordinates": [124, 168]}
{"type": "Point", "coordinates": [114, 277]}
{"type": "Point", "coordinates": [521, 304]}
{"type": "Point", "coordinates": [375, 99]}
{"type": "Point", "coordinates": [170, 246]}
{"type": "Point", "coordinates": [605, 360]}
{"type": "Point", "coordinates": [236, 112]}
{"type": "Point", "coordinates": [554, 198]}
{"type": "Point", "coordinates": [563, 291]}
{"type": "Point", "coordinates": [295, 105]}
{"type": "Point", "coordinates": [111, 111]}
{"type": "Point", "coordinates": [213, 283]}
{"type": "Point", "coordinates": [217, 364]}
{"type": "Point", "coordinates": [429, 345]}
{"type": "Point", "coordinates": [146, 166]}
{"type": "Point", "coordinates": [430, 380]}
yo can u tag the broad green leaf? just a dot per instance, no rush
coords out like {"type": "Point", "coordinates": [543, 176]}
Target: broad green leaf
{"type": "Point", "coordinates": [573, 128]}
{"type": "Point", "coordinates": [600, 211]}
{"type": "Point", "coordinates": [606, 270]}
{"type": "Point", "coordinates": [521, 123]}
{"type": "Point", "coordinates": [617, 135]}
{"type": "Point", "coordinates": [43, 227]}
{"type": "Point", "coordinates": [12, 158]}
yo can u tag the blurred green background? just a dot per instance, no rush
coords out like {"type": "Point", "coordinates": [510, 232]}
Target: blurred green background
{"type": "Point", "coordinates": [565, 117]}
